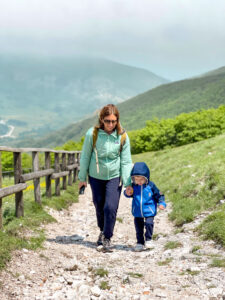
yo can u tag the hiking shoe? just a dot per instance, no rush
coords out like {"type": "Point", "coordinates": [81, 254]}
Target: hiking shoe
{"type": "Point", "coordinates": [107, 245]}
{"type": "Point", "coordinates": [149, 244]}
{"type": "Point", "coordinates": [139, 247]}
{"type": "Point", "coordinates": [100, 239]}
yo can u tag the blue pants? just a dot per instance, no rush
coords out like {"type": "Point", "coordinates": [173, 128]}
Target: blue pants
{"type": "Point", "coordinates": [140, 223]}
{"type": "Point", "coordinates": [106, 196]}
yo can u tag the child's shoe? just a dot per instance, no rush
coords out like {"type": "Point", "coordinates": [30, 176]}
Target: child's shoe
{"type": "Point", "coordinates": [139, 247]}
{"type": "Point", "coordinates": [149, 244]}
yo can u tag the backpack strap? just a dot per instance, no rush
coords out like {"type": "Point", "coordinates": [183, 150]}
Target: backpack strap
{"type": "Point", "coordinates": [122, 140]}
{"type": "Point", "coordinates": [95, 136]}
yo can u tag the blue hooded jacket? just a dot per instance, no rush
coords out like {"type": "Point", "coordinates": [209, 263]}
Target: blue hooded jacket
{"type": "Point", "coordinates": [146, 196]}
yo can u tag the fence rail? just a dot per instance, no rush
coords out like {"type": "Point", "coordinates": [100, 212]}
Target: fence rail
{"type": "Point", "coordinates": [68, 168]}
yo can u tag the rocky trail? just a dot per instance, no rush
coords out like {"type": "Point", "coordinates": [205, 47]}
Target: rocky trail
{"type": "Point", "coordinates": [69, 267]}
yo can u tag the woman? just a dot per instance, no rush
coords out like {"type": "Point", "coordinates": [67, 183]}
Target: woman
{"type": "Point", "coordinates": [107, 162]}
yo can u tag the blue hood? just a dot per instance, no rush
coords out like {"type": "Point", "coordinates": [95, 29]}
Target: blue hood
{"type": "Point", "coordinates": [141, 169]}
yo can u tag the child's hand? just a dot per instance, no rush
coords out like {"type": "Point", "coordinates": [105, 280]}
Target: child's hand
{"type": "Point", "coordinates": [129, 191]}
{"type": "Point", "coordinates": [161, 207]}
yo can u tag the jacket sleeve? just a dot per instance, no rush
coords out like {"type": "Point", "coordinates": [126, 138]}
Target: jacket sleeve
{"type": "Point", "coordinates": [126, 163]}
{"type": "Point", "coordinates": [86, 155]}
{"type": "Point", "coordinates": [158, 196]}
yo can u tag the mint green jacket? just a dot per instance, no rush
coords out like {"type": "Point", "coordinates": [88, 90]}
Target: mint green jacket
{"type": "Point", "coordinates": [111, 163]}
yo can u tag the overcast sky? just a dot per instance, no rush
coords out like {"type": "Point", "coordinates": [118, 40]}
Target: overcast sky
{"type": "Point", "coordinates": [175, 39]}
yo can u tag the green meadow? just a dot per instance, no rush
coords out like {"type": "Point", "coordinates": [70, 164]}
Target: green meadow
{"type": "Point", "coordinates": [192, 178]}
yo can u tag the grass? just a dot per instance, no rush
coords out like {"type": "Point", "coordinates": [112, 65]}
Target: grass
{"type": "Point", "coordinates": [192, 178]}
{"type": "Point", "coordinates": [189, 272]}
{"type": "Point", "coordinates": [213, 227]}
{"type": "Point", "coordinates": [172, 245]}
{"type": "Point", "coordinates": [120, 220]}
{"type": "Point", "coordinates": [25, 232]}
{"type": "Point", "coordinates": [104, 285]}
{"type": "Point", "coordinates": [155, 236]}
{"type": "Point", "coordinates": [195, 249]}
{"type": "Point", "coordinates": [135, 275]}
{"type": "Point", "coordinates": [101, 272]}
{"type": "Point", "coordinates": [218, 263]}
{"type": "Point", "coordinates": [164, 262]}
{"type": "Point", "coordinates": [179, 230]}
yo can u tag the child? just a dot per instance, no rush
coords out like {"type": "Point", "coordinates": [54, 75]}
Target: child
{"type": "Point", "coordinates": [146, 196]}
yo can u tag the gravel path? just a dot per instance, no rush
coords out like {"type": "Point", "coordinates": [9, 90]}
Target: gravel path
{"type": "Point", "coordinates": [69, 267]}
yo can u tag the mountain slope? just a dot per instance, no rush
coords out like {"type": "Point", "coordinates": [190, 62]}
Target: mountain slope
{"type": "Point", "coordinates": [44, 94]}
{"type": "Point", "coordinates": [215, 72]}
{"type": "Point", "coordinates": [164, 101]}
{"type": "Point", "coordinates": [172, 99]}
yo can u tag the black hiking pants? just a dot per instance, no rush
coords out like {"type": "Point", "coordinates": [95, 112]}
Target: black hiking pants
{"type": "Point", "coordinates": [140, 224]}
{"type": "Point", "coordinates": [106, 196]}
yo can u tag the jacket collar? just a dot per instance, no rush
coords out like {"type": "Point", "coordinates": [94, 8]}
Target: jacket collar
{"type": "Point", "coordinates": [114, 133]}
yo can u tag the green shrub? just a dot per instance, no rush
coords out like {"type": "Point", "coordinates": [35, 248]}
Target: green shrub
{"type": "Point", "coordinates": [186, 128]}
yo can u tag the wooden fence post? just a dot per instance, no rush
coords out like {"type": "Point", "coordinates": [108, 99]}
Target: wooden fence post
{"type": "Point", "coordinates": [75, 169]}
{"type": "Point", "coordinates": [48, 177]}
{"type": "Point", "coordinates": [1, 217]}
{"type": "Point", "coordinates": [57, 180]}
{"type": "Point", "coordinates": [37, 189]}
{"type": "Point", "coordinates": [17, 174]}
{"type": "Point", "coordinates": [78, 162]}
{"type": "Point", "coordinates": [64, 169]}
{"type": "Point", "coordinates": [78, 158]}
{"type": "Point", "coordinates": [70, 179]}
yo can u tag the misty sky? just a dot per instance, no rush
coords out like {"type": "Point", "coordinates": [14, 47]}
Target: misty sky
{"type": "Point", "coordinates": [175, 39]}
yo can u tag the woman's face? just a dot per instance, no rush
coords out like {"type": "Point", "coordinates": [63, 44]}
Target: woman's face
{"type": "Point", "coordinates": [109, 123]}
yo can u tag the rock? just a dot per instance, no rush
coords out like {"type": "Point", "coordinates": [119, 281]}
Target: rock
{"type": "Point", "coordinates": [84, 290]}
{"type": "Point", "coordinates": [21, 278]}
{"type": "Point", "coordinates": [96, 291]}
{"type": "Point", "coordinates": [216, 292]}
{"type": "Point", "coordinates": [159, 293]}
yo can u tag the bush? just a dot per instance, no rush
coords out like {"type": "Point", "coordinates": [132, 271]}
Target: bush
{"type": "Point", "coordinates": [184, 129]}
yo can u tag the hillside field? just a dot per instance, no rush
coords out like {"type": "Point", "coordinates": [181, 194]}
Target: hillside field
{"type": "Point", "coordinates": [192, 178]}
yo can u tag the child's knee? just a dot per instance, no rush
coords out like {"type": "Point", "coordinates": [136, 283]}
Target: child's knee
{"type": "Point", "coordinates": [149, 221]}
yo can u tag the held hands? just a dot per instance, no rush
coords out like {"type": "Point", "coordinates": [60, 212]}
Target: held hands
{"type": "Point", "coordinates": [129, 191]}
{"type": "Point", "coordinates": [161, 207]}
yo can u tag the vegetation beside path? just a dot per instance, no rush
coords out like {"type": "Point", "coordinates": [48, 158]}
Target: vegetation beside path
{"type": "Point", "coordinates": [192, 178]}
{"type": "Point", "coordinates": [26, 232]}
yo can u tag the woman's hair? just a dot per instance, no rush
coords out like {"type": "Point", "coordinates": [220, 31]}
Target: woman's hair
{"type": "Point", "coordinates": [109, 109]}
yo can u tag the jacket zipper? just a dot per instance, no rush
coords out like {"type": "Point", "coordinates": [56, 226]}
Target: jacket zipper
{"type": "Point", "coordinates": [151, 210]}
{"type": "Point", "coordinates": [141, 202]}
{"type": "Point", "coordinates": [107, 156]}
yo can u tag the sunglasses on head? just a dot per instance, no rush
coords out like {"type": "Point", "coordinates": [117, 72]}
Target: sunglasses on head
{"type": "Point", "coordinates": [106, 121]}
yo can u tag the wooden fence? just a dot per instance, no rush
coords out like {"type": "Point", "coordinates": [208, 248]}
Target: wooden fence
{"type": "Point", "coordinates": [67, 167]}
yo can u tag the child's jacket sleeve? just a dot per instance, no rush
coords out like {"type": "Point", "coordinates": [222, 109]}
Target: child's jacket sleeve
{"type": "Point", "coordinates": [158, 196]}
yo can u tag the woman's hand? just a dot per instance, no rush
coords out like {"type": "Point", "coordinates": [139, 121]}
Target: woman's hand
{"type": "Point", "coordinates": [129, 191]}
{"type": "Point", "coordinates": [81, 183]}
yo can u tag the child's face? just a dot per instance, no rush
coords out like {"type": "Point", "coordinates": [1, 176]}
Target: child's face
{"type": "Point", "coordinates": [139, 180]}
